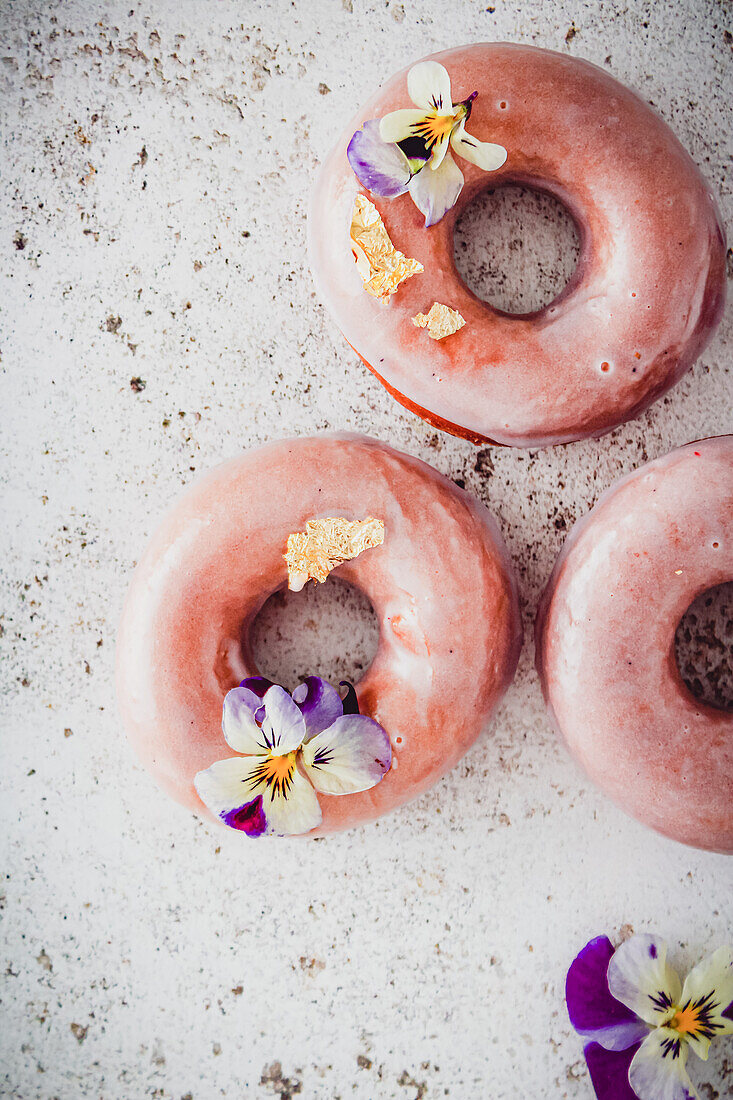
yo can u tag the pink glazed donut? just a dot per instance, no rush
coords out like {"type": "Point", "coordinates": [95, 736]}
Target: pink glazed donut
{"type": "Point", "coordinates": [605, 643]}
{"type": "Point", "coordinates": [441, 585]}
{"type": "Point", "coordinates": [646, 295]}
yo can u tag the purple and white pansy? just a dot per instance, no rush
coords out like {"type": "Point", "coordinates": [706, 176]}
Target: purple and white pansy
{"type": "Point", "coordinates": [639, 1020]}
{"type": "Point", "coordinates": [292, 746]}
{"type": "Point", "coordinates": [408, 150]}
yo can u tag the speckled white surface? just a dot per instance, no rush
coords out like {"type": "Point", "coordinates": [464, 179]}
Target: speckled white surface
{"type": "Point", "coordinates": [156, 164]}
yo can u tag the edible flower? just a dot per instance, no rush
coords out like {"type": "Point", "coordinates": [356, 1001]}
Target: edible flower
{"type": "Point", "coordinates": [408, 150]}
{"type": "Point", "coordinates": [639, 1021]}
{"type": "Point", "coordinates": [292, 746]}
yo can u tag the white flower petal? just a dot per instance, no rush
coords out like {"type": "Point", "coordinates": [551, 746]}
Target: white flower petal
{"type": "Point", "coordinates": [657, 1070]}
{"type": "Point", "coordinates": [713, 975]}
{"type": "Point", "coordinates": [352, 755]}
{"type": "Point", "coordinates": [398, 125]}
{"type": "Point", "coordinates": [224, 785]}
{"type": "Point", "coordinates": [640, 977]}
{"type": "Point", "coordinates": [439, 151]}
{"type": "Point", "coordinates": [297, 813]}
{"type": "Point", "coordinates": [261, 796]}
{"type": "Point", "coordinates": [428, 86]}
{"type": "Point", "coordinates": [706, 994]}
{"type": "Point", "coordinates": [484, 154]}
{"type": "Point", "coordinates": [436, 192]}
{"type": "Point", "coordinates": [238, 721]}
{"type": "Point", "coordinates": [283, 726]}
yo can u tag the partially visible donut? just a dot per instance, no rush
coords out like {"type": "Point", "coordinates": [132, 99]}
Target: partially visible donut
{"type": "Point", "coordinates": [605, 643]}
{"type": "Point", "coordinates": [647, 293]}
{"type": "Point", "coordinates": [441, 585]}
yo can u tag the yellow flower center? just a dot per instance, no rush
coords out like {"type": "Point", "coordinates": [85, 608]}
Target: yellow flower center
{"type": "Point", "coordinates": [686, 1021]}
{"type": "Point", "coordinates": [434, 128]}
{"type": "Point", "coordinates": [276, 774]}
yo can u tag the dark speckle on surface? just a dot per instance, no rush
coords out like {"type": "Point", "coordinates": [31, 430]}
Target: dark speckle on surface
{"type": "Point", "coordinates": [79, 1032]}
{"type": "Point", "coordinates": [484, 462]}
{"type": "Point", "coordinates": [407, 1081]}
{"type": "Point", "coordinates": [285, 1088]}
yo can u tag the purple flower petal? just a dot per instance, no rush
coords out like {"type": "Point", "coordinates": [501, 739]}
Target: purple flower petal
{"type": "Point", "coordinates": [350, 701]}
{"type": "Point", "coordinates": [250, 818]}
{"type": "Point", "coordinates": [609, 1072]}
{"type": "Point", "coordinates": [320, 704]}
{"type": "Point", "coordinates": [257, 684]}
{"type": "Point", "coordinates": [380, 166]}
{"type": "Point", "coordinates": [593, 1012]}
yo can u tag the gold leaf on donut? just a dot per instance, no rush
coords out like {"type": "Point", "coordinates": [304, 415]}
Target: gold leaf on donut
{"type": "Point", "coordinates": [381, 266]}
{"type": "Point", "coordinates": [440, 321]}
{"type": "Point", "coordinates": [326, 543]}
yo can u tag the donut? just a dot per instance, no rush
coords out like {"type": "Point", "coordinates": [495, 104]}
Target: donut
{"type": "Point", "coordinates": [441, 585]}
{"type": "Point", "coordinates": [645, 297]}
{"type": "Point", "coordinates": [605, 651]}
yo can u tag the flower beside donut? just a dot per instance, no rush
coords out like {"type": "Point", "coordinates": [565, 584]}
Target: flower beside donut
{"type": "Point", "coordinates": [292, 747]}
{"type": "Point", "coordinates": [408, 150]}
{"type": "Point", "coordinates": [639, 1021]}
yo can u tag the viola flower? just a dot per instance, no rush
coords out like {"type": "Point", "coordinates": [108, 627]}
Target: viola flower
{"type": "Point", "coordinates": [293, 746]}
{"type": "Point", "coordinates": [640, 1021]}
{"type": "Point", "coordinates": [408, 150]}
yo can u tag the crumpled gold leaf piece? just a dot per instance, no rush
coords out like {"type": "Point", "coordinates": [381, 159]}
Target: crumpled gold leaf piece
{"type": "Point", "coordinates": [381, 266]}
{"type": "Point", "coordinates": [440, 321]}
{"type": "Point", "coordinates": [326, 543]}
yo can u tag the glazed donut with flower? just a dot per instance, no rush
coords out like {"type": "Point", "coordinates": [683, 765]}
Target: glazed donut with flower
{"type": "Point", "coordinates": [605, 641]}
{"type": "Point", "coordinates": [224, 741]}
{"type": "Point", "coordinates": [648, 289]}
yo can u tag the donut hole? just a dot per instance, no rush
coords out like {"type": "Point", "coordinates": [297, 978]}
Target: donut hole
{"type": "Point", "coordinates": [327, 630]}
{"type": "Point", "coordinates": [704, 647]}
{"type": "Point", "coordinates": [516, 248]}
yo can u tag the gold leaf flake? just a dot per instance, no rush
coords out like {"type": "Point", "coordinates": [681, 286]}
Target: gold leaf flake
{"type": "Point", "coordinates": [326, 543]}
{"type": "Point", "coordinates": [440, 321]}
{"type": "Point", "coordinates": [381, 266]}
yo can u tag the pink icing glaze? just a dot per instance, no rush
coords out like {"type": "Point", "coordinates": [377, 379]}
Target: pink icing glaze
{"type": "Point", "coordinates": [605, 643]}
{"type": "Point", "coordinates": [441, 585]}
{"type": "Point", "coordinates": [644, 300]}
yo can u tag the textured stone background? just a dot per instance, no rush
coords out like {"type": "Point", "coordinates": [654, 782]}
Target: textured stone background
{"type": "Point", "coordinates": [158, 316]}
